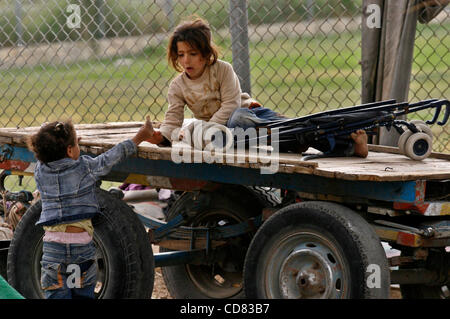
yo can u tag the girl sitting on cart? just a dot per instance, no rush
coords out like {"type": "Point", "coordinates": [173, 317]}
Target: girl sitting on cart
{"type": "Point", "coordinates": [211, 89]}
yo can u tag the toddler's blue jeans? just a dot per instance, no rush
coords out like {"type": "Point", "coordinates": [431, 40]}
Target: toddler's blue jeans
{"type": "Point", "coordinates": [69, 271]}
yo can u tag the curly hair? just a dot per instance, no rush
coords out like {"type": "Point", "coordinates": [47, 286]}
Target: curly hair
{"type": "Point", "coordinates": [197, 33]}
{"type": "Point", "coordinates": [50, 143]}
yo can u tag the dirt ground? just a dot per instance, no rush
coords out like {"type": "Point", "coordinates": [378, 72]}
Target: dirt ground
{"type": "Point", "coordinates": [160, 290]}
{"type": "Point", "coordinates": [159, 287]}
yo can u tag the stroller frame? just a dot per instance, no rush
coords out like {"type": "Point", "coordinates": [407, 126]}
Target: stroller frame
{"type": "Point", "coordinates": [338, 124]}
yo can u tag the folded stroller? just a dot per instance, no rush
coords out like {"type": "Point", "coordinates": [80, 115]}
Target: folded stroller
{"type": "Point", "coordinates": [329, 131]}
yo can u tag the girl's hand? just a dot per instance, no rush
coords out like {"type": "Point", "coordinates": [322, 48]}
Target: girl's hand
{"type": "Point", "coordinates": [156, 138]}
{"type": "Point", "coordinates": [145, 133]}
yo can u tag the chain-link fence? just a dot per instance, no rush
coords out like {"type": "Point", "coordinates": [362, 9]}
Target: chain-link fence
{"type": "Point", "coordinates": [101, 60]}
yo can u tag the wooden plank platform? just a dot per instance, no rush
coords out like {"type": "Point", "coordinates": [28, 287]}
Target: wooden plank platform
{"type": "Point", "coordinates": [382, 164]}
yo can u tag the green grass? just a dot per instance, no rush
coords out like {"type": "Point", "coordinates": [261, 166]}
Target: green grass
{"type": "Point", "coordinates": [295, 76]}
{"type": "Point", "coordinates": [45, 21]}
{"type": "Point", "coordinates": [307, 74]}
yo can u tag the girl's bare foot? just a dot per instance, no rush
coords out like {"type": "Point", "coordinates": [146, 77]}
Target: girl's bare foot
{"type": "Point", "coordinates": [360, 139]}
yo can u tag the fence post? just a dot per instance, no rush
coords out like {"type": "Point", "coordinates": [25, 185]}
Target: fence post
{"type": "Point", "coordinates": [100, 19]}
{"type": "Point", "coordinates": [310, 10]}
{"type": "Point", "coordinates": [239, 42]}
{"type": "Point", "coordinates": [168, 9]}
{"type": "Point", "coordinates": [19, 27]}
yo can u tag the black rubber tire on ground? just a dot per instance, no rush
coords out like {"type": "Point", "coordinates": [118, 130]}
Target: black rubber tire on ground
{"type": "Point", "coordinates": [142, 281]}
{"type": "Point", "coordinates": [229, 205]}
{"type": "Point", "coordinates": [126, 265]}
{"type": "Point", "coordinates": [310, 240]}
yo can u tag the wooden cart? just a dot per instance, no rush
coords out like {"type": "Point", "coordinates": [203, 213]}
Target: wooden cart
{"type": "Point", "coordinates": [229, 234]}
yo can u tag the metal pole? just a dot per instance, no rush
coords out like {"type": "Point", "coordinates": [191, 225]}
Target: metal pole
{"type": "Point", "coordinates": [168, 9]}
{"type": "Point", "coordinates": [19, 26]}
{"type": "Point", "coordinates": [100, 19]}
{"type": "Point", "coordinates": [310, 10]}
{"type": "Point", "coordinates": [239, 42]}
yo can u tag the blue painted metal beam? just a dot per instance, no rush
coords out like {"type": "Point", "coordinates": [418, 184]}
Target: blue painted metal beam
{"type": "Point", "coordinates": [391, 191]}
{"type": "Point", "coordinates": [174, 258]}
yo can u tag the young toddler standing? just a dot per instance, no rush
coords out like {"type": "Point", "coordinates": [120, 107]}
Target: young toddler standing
{"type": "Point", "coordinates": [66, 182]}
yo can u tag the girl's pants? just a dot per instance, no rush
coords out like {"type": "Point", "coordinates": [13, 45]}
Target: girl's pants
{"type": "Point", "coordinates": [254, 117]}
{"type": "Point", "coordinates": [246, 117]}
{"type": "Point", "coordinates": [69, 271]}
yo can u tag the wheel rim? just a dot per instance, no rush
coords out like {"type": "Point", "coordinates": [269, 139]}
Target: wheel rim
{"type": "Point", "coordinates": [218, 280]}
{"type": "Point", "coordinates": [102, 268]}
{"type": "Point", "coordinates": [420, 147]}
{"type": "Point", "coordinates": [306, 265]}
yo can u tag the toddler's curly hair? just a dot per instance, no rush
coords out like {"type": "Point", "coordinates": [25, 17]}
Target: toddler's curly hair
{"type": "Point", "coordinates": [50, 143]}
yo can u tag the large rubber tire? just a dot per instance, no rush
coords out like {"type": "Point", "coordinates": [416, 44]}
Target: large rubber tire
{"type": "Point", "coordinates": [225, 207]}
{"type": "Point", "coordinates": [124, 255]}
{"type": "Point", "coordinates": [268, 196]}
{"type": "Point", "coordinates": [316, 250]}
{"type": "Point", "coordinates": [118, 211]}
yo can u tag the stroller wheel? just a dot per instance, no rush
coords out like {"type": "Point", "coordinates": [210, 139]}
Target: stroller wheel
{"type": "Point", "coordinates": [422, 127]}
{"type": "Point", "coordinates": [418, 146]}
{"type": "Point", "coordinates": [402, 140]}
